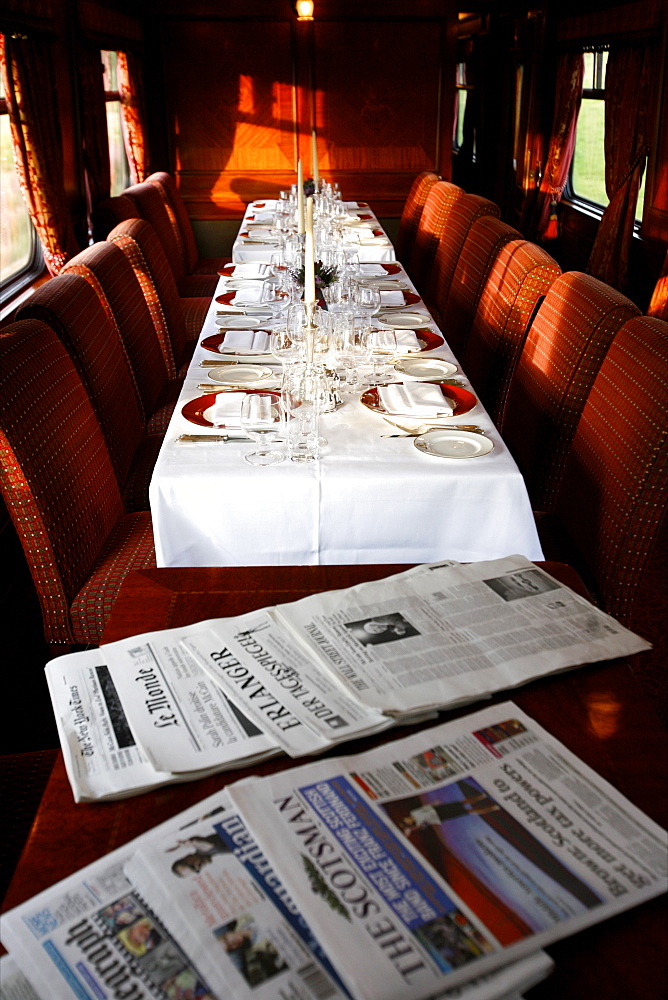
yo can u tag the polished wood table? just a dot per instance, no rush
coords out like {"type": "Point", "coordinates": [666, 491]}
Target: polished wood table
{"type": "Point", "coordinates": [599, 712]}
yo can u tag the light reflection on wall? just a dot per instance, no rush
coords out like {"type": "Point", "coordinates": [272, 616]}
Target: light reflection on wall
{"type": "Point", "coordinates": [603, 714]}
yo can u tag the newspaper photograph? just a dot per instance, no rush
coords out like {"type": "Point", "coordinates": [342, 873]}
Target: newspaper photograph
{"type": "Point", "coordinates": [277, 682]}
{"type": "Point", "coordinates": [448, 634]}
{"type": "Point", "coordinates": [224, 903]}
{"type": "Point", "coordinates": [180, 717]}
{"type": "Point", "coordinates": [92, 936]}
{"type": "Point", "coordinates": [436, 858]}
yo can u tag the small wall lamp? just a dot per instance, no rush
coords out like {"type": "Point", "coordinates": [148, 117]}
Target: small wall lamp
{"type": "Point", "coordinates": [304, 10]}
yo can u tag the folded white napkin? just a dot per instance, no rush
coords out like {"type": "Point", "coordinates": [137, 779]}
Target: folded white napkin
{"type": "Point", "coordinates": [260, 233]}
{"type": "Point", "coordinates": [262, 218]}
{"type": "Point", "coordinates": [247, 341]}
{"type": "Point", "coordinates": [393, 298]}
{"type": "Point", "coordinates": [250, 295]}
{"type": "Point", "coordinates": [373, 241]}
{"type": "Point", "coordinates": [251, 269]}
{"type": "Point", "coordinates": [226, 409]}
{"type": "Point", "coordinates": [415, 399]}
{"type": "Point", "coordinates": [351, 204]}
{"type": "Point", "coordinates": [373, 270]}
{"type": "Point", "coordinates": [407, 341]}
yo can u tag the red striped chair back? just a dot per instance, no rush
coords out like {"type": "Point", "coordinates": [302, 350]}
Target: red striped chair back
{"type": "Point", "coordinates": [410, 216]}
{"type": "Point", "coordinates": [519, 278]}
{"type": "Point", "coordinates": [108, 213]}
{"type": "Point", "coordinates": [559, 361]}
{"type": "Point", "coordinates": [456, 311]}
{"type": "Point", "coordinates": [194, 263]}
{"type": "Point", "coordinates": [109, 272]}
{"type": "Point", "coordinates": [613, 498]}
{"type": "Point", "coordinates": [431, 224]}
{"type": "Point", "coordinates": [462, 214]}
{"type": "Point", "coordinates": [177, 320]}
{"type": "Point", "coordinates": [60, 487]}
{"type": "Point", "coordinates": [154, 206]}
{"type": "Point", "coordinates": [71, 307]}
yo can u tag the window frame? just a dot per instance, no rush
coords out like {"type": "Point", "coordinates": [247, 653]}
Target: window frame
{"type": "Point", "coordinates": [115, 97]}
{"type": "Point", "coordinates": [595, 209]}
{"type": "Point", "coordinates": [17, 282]}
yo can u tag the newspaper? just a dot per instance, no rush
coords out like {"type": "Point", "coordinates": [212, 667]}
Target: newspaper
{"type": "Point", "coordinates": [104, 758]}
{"type": "Point", "coordinates": [444, 855]}
{"type": "Point", "coordinates": [225, 904]}
{"type": "Point", "coordinates": [305, 676]}
{"type": "Point", "coordinates": [185, 911]}
{"type": "Point", "coordinates": [434, 638]}
{"type": "Point", "coordinates": [91, 936]}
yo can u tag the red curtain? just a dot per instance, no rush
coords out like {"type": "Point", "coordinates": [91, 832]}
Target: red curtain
{"type": "Point", "coordinates": [94, 124]}
{"type": "Point", "coordinates": [33, 114]}
{"type": "Point", "coordinates": [627, 98]}
{"type": "Point", "coordinates": [568, 96]}
{"type": "Point", "coordinates": [132, 104]}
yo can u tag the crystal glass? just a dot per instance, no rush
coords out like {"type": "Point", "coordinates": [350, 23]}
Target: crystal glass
{"type": "Point", "coordinates": [261, 419]}
{"type": "Point", "coordinates": [303, 391]}
{"type": "Point", "coordinates": [382, 346]}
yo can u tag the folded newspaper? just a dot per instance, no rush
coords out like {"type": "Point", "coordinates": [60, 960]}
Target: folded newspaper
{"type": "Point", "coordinates": [183, 912]}
{"type": "Point", "coordinates": [445, 854]}
{"type": "Point", "coordinates": [434, 866]}
{"type": "Point", "coordinates": [304, 676]}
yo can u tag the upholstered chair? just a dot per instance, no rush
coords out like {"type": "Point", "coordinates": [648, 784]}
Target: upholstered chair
{"type": "Point", "coordinates": [60, 486]}
{"type": "Point", "coordinates": [455, 309]}
{"type": "Point", "coordinates": [562, 353]}
{"type": "Point", "coordinates": [431, 224]}
{"type": "Point", "coordinates": [71, 307]}
{"type": "Point", "coordinates": [193, 262]}
{"type": "Point", "coordinates": [519, 278]}
{"type": "Point", "coordinates": [110, 274]}
{"type": "Point", "coordinates": [609, 518]}
{"type": "Point", "coordinates": [410, 215]}
{"type": "Point", "coordinates": [178, 320]}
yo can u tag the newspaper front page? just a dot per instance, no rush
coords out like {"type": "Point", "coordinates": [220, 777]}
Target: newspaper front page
{"type": "Point", "coordinates": [189, 911]}
{"type": "Point", "coordinates": [92, 936]}
{"type": "Point", "coordinates": [277, 681]}
{"type": "Point", "coordinates": [107, 736]}
{"type": "Point", "coordinates": [436, 858]}
{"type": "Point", "coordinates": [445, 635]}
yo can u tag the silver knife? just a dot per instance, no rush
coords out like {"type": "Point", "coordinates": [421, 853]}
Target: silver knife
{"type": "Point", "coordinates": [208, 438]}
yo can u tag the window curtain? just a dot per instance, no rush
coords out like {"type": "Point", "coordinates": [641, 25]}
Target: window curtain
{"type": "Point", "coordinates": [627, 98]}
{"type": "Point", "coordinates": [133, 108]}
{"type": "Point", "coordinates": [33, 114]}
{"type": "Point", "coordinates": [568, 96]}
{"type": "Point", "coordinates": [94, 125]}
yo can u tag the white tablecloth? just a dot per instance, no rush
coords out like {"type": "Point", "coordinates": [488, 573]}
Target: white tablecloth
{"type": "Point", "coordinates": [244, 249]}
{"type": "Point", "coordinates": [368, 500]}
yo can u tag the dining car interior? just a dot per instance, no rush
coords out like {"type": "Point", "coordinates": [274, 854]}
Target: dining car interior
{"type": "Point", "coordinates": [472, 200]}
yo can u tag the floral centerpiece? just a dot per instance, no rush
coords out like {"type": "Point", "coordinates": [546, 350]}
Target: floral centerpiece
{"type": "Point", "coordinates": [309, 187]}
{"type": "Point", "coordinates": [325, 275]}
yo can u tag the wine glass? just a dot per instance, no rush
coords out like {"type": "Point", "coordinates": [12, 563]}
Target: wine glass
{"type": "Point", "coordinates": [286, 344]}
{"type": "Point", "coordinates": [261, 419]}
{"type": "Point", "coordinates": [367, 299]}
{"type": "Point", "coordinates": [382, 345]}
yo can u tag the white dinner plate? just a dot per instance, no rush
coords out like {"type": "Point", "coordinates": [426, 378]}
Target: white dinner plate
{"type": "Point", "coordinates": [452, 443]}
{"type": "Point", "coordinates": [405, 320]}
{"type": "Point", "coordinates": [240, 374]}
{"type": "Point", "coordinates": [233, 321]}
{"type": "Point", "coordinates": [425, 367]}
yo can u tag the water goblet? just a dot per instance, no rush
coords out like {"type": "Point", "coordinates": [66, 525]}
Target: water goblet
{"type": "Point", "coordinates": [382, 345]}
{"type": "Point", "coordinates": [261, 419]}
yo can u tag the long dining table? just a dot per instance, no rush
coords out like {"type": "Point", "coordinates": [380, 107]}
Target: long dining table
{"type": "Point", "coordinates": [369, 498]}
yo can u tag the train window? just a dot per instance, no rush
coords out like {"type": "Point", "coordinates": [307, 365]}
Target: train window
{"type": "Point", "coordinates": [20, 251]}
{"type": "Point", "coordinates": [587, 175]}
{"type": "Point", "coordinates": [120, 171]}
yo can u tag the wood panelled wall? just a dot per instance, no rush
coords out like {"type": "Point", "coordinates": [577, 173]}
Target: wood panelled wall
{"type": "Point", "coordinates": [243, 95]}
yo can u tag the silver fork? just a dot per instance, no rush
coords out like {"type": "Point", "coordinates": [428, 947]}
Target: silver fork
{"type": "Point", "coordinates": [423, 428]}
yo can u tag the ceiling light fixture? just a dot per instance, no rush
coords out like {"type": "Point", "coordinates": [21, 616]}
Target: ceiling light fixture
{"type": "Point", "coordinates": [304, 10]}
